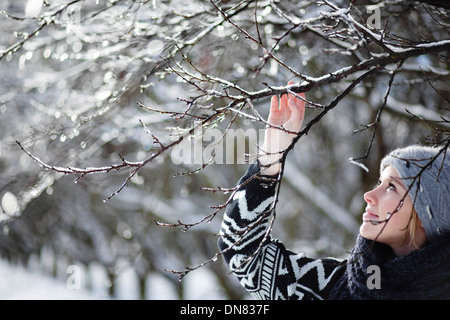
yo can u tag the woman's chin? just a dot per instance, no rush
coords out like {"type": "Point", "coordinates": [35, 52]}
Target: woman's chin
{"type": "Point", "coordinates": [369, 231]}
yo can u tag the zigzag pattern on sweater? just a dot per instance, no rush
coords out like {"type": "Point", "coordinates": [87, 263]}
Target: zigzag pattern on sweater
{"type": "Point", "coordinates": [272, 272]}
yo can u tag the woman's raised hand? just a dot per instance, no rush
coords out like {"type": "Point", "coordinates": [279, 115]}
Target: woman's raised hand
{"type": "Point", "coordinates": [287, 113]}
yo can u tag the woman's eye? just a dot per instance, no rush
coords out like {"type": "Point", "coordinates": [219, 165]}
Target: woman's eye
{"type": "Point", "coordinates": [392, 187]}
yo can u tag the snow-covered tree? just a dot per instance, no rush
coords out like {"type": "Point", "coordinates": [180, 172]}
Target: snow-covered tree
{"type": "Point", "coordinates": [142, 105]}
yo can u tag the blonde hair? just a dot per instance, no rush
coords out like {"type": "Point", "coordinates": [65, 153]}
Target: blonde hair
{"type": "Point", "coordinates": [412, 227]}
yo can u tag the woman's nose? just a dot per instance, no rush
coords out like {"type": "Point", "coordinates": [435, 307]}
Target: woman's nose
{"type": "Point", "coordinates": [370, 197]}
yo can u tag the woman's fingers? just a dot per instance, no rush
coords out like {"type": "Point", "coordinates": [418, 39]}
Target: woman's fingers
{"type": "Point", "coordinates": [279, 111]}
{"type": "Point", "coordinates": [297, 106]}
{"type": "Point", "coordinates": [273, 114]}
{"type": "Point", "coordinates": [274, 104]}
{"type": "Point", "coordinates": [285, 110]}
{"type": "Point", "coordinates": [283, 103]}
{"type": "Point", "coordinates": [288, 111]}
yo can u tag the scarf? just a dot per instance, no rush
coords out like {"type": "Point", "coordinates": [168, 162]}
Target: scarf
{"type": "Point", "coordinates": [422, 274]}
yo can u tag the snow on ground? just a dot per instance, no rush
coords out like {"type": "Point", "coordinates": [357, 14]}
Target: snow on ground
{"type": "Point", "coordinates": [16, 283]}
{"type": "Point", "coordinates": [20, 283]}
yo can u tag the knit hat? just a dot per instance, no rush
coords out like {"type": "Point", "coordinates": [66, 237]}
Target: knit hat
{"type": "Point", "coordinates": [428, 170]}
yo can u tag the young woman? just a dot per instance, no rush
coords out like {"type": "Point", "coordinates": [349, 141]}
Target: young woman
{"type": "Point", "coordinates": [404, 238]}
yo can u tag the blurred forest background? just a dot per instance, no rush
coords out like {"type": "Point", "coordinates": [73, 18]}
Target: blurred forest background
{"type": "Point", "coordinates": [97, 92]}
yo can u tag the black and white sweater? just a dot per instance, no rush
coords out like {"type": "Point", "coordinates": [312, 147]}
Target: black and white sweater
{"type": "Point", "coordinates": [269, 271]}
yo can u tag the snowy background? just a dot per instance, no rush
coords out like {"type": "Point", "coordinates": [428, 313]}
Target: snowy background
{"type": "Point", "coordinates": [32, 283]}
{"type": "Point", "coordinates": [88, 83]}
{"type": "Point", "coordinates": [20, 283]}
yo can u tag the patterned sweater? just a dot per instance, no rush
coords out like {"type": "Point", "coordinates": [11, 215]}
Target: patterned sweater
{"type": "Point", "coordinates": [268, 270]}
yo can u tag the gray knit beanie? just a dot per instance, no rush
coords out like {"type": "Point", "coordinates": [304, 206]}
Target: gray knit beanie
{"type": "Point", "coordinates": [428, 169]}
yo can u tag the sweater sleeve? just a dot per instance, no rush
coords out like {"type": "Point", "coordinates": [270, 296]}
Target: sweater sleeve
{"type": "Point", "coordinates": [268, 270]}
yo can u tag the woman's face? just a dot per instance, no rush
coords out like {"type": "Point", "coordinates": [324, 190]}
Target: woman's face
{"type": "Point", "coordinates": [387, 201]}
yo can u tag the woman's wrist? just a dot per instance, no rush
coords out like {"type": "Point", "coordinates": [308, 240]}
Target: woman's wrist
{"type": "Point", "coordinates": [269, 164]}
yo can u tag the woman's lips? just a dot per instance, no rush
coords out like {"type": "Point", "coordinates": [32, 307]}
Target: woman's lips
{"type": "Point", "coordinates": [369, 216]}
